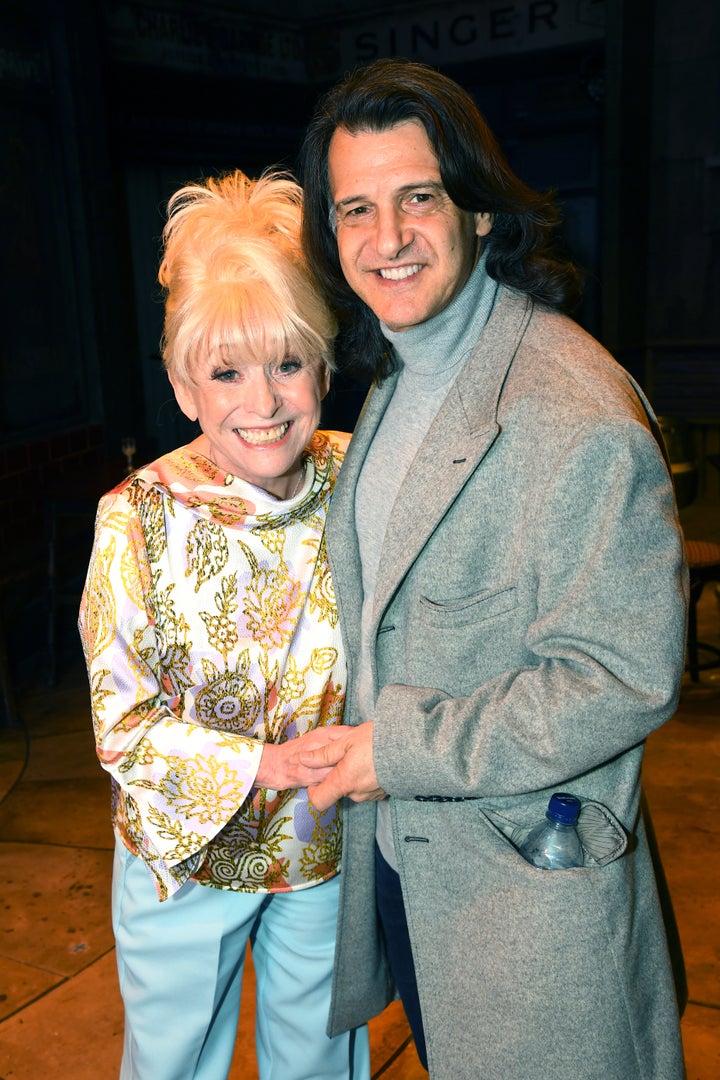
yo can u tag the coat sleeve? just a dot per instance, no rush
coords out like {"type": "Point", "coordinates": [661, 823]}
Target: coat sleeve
{"type": "Point", "coordinates": [602, 650]}
{"type": "Point", "coordinates": [185, 780]}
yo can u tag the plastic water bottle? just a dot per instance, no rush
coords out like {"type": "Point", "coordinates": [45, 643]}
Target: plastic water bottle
{"type": "Point", "coordinates": [554, 844]}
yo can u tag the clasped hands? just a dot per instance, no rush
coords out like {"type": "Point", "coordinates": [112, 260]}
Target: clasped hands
{"type": "Point", "coordinates": [329, 761]}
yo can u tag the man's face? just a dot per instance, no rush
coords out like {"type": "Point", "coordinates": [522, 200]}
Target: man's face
{"type": "Point", "coordinates": [405, 248]}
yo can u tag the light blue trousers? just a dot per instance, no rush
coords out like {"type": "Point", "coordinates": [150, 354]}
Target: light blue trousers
{"type": "Point", "coordinates": [180, 965]}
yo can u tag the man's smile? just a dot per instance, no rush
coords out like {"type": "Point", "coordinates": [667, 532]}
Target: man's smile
{"type": "Point", "coordinates": [392, 273]}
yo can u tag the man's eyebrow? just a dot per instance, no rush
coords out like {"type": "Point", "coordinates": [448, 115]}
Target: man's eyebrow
{"type": "Point", "coordinates": [435, 185]}
{"type": "Point", "coordinates": [350, 199]}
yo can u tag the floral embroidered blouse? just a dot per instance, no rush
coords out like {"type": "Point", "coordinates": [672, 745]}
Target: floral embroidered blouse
{"type": "Point", "coordinates": [209, 626]}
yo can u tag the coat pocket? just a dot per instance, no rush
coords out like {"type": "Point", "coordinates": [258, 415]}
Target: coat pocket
{"type": "Point", "coordinates": [471, 609]}
{"type": "Point", "coordinates": [602, 836]}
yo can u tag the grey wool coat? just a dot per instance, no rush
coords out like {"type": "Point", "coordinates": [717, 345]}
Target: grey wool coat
{"type": "Point", "coordinates": [529, 630]}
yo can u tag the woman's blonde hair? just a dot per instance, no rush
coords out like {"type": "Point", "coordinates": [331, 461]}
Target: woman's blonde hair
{"type": "Point", "coordinates": [235, 278]}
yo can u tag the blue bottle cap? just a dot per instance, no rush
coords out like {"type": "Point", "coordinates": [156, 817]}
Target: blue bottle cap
{"type": "Point", "coordinates": [564, 808]}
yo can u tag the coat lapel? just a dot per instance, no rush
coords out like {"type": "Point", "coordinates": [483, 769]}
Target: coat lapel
{"type": "Point", "coordinates": [461, 434]}
{"type": "Point", "coordinates": [341, 532]}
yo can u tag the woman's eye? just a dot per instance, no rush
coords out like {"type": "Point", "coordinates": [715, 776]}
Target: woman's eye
{"type": "Point", "coordinates": [288, 366]}
{"type": "Point", "coordinates": [224, 375]}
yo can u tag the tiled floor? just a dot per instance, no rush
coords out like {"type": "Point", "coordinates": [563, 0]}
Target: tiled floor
{"type": "Point", "coordinates": [60, 1011]}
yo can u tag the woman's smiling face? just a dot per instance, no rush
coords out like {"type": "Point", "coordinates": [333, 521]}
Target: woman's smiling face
{"type": "Point", "coordinates": [257, 418]}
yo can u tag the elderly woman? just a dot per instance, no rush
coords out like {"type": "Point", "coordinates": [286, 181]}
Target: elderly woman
{"type": "Point", "coordinates": [213, 650]}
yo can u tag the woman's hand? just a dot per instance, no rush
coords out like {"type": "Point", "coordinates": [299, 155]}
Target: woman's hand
{"type": "Point", "coordinates": [280, 765]}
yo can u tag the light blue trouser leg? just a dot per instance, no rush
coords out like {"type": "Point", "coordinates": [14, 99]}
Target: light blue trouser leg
{"type": "Point", "coordinates": [293, 946]}
{"type": "Point", "coordinates": [180, 965]}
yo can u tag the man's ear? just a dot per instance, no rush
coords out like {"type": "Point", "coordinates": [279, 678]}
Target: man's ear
{"type": "Point", "coordinates": [184, 397]}
{"type": "Point", "coordinates": [483, 223]}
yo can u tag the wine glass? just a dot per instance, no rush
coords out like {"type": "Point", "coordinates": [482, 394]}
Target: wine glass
{"type": "Point", "coordinates": [129, 448]}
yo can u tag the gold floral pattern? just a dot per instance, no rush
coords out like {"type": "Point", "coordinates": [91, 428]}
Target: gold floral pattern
{"type": "Point", "coordinates": [230, 700]}
{"type": "Point", "coordinates": [271, 605]}
{"type": "Point", "coordinates": [207, 551]}
{"type": "Point", "coordinates": [209, 627]}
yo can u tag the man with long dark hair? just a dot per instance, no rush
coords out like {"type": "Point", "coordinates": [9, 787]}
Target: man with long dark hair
{"type": "Point", "coordinates": [510, 577]}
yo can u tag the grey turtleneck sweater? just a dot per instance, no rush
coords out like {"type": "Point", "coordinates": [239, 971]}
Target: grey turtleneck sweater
{"type": "Point", "coordinates": [431, 355]}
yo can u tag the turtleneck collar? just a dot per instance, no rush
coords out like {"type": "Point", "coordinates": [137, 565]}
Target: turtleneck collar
{"type": "Point", "coordinates": [437, 346]}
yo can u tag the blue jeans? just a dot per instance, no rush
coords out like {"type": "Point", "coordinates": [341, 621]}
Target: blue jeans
{"type": "Point", "coordinates": [397, 941]}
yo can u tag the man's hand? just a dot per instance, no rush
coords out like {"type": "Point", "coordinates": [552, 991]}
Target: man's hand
{"type": "Point", "coordinates": [281, 764]}
{"type": "Point", "coordinates": [353, 769]}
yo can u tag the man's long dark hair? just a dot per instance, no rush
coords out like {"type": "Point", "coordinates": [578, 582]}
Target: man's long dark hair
{"type": "Point", "coordinates": [475, 173]}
